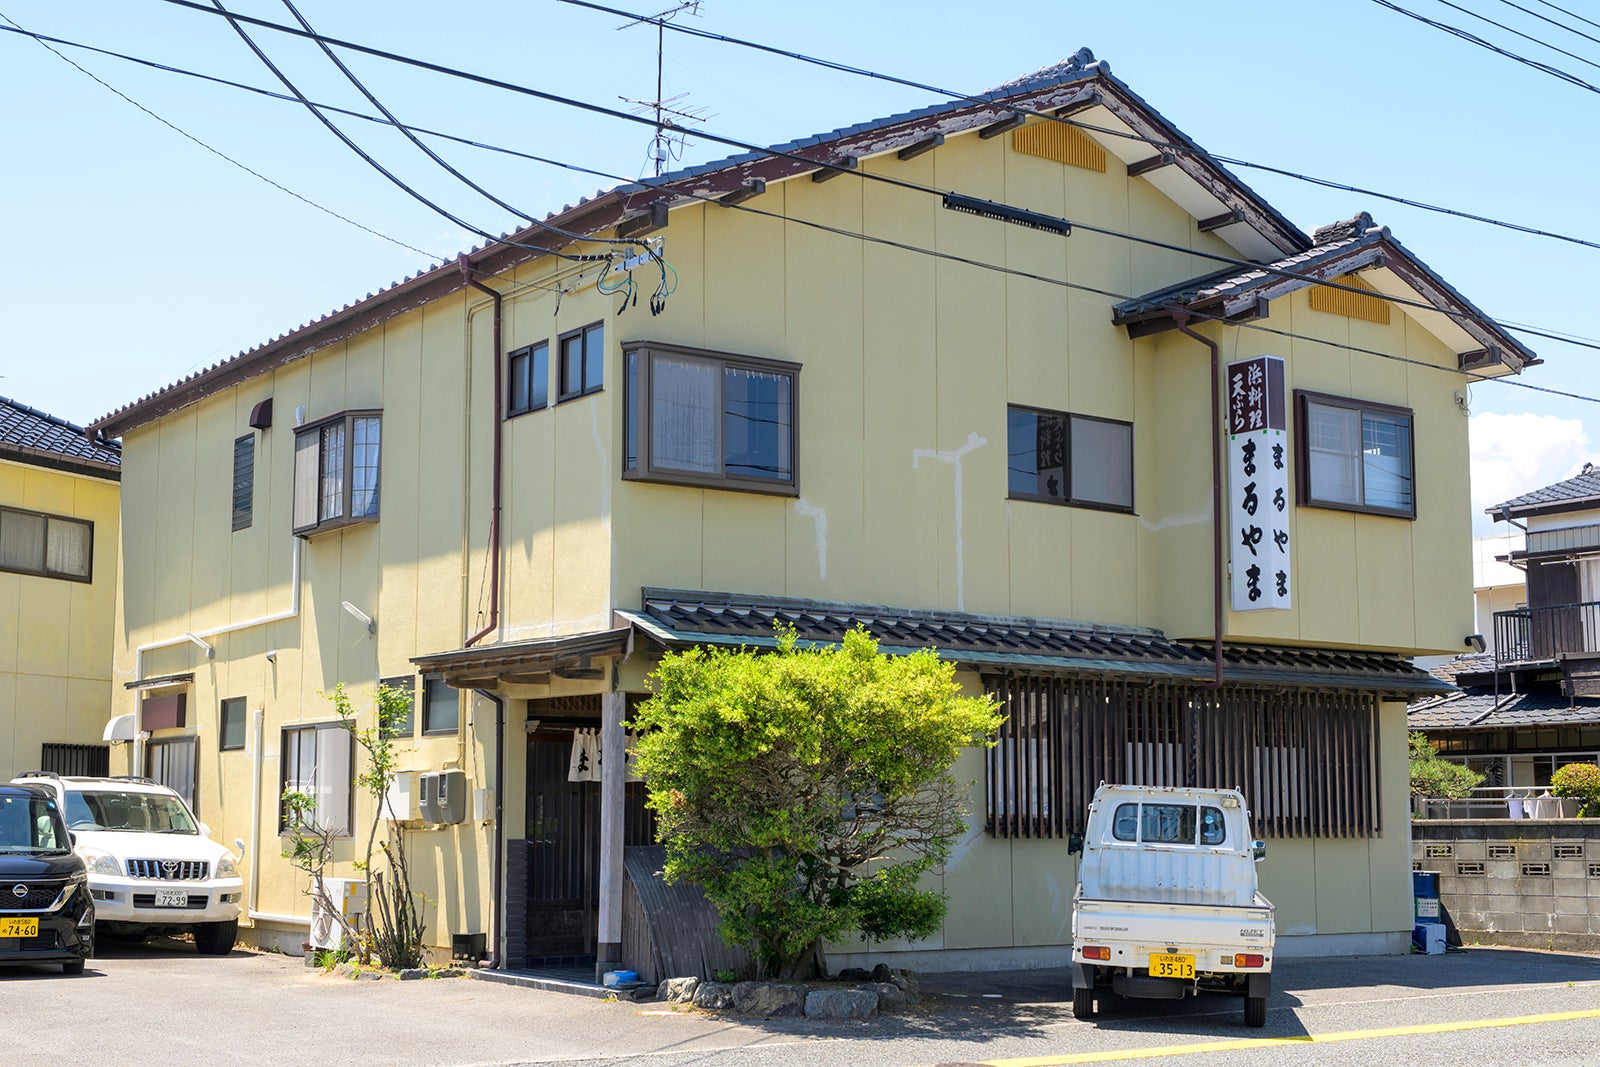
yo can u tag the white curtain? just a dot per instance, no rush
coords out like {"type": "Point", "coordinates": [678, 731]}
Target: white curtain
{"type": "Point", "coordinates": [21, 541]}
{"type": "Point", "coordinates": [684, 415]}
{"type": "Point", "coordinates": [1334, 439]}
{"type": "Point", "coordinates": [307, 451]}
{"type": "Point", "coordinates": [67, 550]}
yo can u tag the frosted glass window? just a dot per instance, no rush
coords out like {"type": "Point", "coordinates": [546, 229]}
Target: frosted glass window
{"type": "Point", "coordinates": [683, 415]}
{"type": "Point", "coordinates": [1102, 462]}
{"type": "Point", "coordinates": [48, 545]}
{"type": "Point", "coordinates": [1060, 458]}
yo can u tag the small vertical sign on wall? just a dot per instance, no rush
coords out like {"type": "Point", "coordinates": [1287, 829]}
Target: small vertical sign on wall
{"type": "Point", "coordinates": [1258, 484]}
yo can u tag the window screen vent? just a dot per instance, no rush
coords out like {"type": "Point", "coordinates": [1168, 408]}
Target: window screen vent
{"type": "Point", "coordinates": [1536, 870]}
{"type": "Point", "coordinates": [1502, 852]}
{"type": "Point", "coordinates": [1469, 870]}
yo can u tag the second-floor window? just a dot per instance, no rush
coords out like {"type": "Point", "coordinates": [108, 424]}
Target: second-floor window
{"type": "Point", "coordinates": [336, 471]}
{"type": "Point", "coordinates": [583, 360]}
{"type": "Point", "coordinates": [709, 419]}
{"type": "Point", "coordinates": [1355, 456]}
{"type": "Point", "coordinates": [528, 379]}
{"type": "Point", "coordinates": [1061, 458]}
{"type": "Point", "coordinates": [53, 546]}
{"type": "Point", "coordinates": [244, 480]}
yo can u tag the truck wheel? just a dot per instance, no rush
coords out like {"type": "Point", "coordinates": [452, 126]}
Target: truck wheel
{"type": "Point", "coordinates": [1255, 1011]}
{"type": "Point", "coordinates": [1083, 1003]}
{"type": "Point", "coordinates": [216, 939]}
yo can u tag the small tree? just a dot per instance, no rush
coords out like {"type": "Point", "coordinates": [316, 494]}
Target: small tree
{"type": "Point", "coordinates": [1433, 776]}
{"type": "Point", "coordinates": [807, 791]}
{"type": "Point", "coordinates": [1582, 781]}
{"type": "Point", "coordinates": [395, 927]}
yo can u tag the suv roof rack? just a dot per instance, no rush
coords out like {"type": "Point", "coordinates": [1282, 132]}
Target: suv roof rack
{"type": "Point", "coordinates": [141, 779]}
{"type": "Point", "coordinates": [40, 774]}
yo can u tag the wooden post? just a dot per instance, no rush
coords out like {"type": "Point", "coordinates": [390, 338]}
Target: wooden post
{"type": "Point", "coordinates": [613, 770]}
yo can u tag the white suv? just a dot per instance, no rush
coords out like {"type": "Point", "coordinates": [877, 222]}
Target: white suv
{"type": "Point", "coordinates": [152, 866]}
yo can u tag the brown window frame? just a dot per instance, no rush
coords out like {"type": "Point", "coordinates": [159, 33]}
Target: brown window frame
{"type": "Point", "coordinates": [43, 570]}
{"type": "Point", "coordinates": [319, 427]}
{"type": "Point", "coordinates": [1305, 492]}
{"type": "Point", "coordinates": [429, 681]}
{"type": "Point", "coordinates": [284, 736]}
{"type": "Point", "coordinates": [1067, 499]}
{"type": "Point", "coordinates": [565, 389]}
{"type": "Point", "coordinates": [403, 681]}
{"type": "Point", "coordinates": [638, 356]}
{"type": "Point", "coordinates": [529, 353]}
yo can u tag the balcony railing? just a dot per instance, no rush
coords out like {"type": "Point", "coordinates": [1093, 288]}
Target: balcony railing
{"type": "Point", "coordinates": [1497, 802]}
{"type": "Point", "coordinates": [1538, 635]}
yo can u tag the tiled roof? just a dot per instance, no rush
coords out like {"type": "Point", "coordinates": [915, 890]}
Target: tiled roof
{"type": "Point", "coordinates": [675, 618]}
{"type": "Point", "coordinates": [1479, 709]}
{"type": "Point", "coordinates": [1339, 248]}
{"type": "Point", "coordinates": [1582, 487]}
{"type": "Point", "coordinates": [1471, 663]}
{"type": "Point", "coordinates": [900, 129]}
{"type": "Point", "coordinates": [29, 434]}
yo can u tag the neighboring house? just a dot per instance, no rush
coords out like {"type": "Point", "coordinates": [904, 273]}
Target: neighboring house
{"type": "Point", "coordinates": [502, 486]}
{"type": "Point", "coordinates": [1496, 584]}
{"type": "Point", "coordinates": [58, 583]}
{"type": "Point", "coordinates": [1533, 704]}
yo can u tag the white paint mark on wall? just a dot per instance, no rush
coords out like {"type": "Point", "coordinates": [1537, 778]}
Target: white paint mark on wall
{"type": "Point", "coordinates": [1193, 518]}
{"type": "Point", "coordinates": [819, 519]}
{"type": "Point", "coordinates": [953, 457]}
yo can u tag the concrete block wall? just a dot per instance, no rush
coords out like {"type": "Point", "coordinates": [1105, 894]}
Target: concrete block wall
{"type": "Point", "coordinates": [1530, 883]}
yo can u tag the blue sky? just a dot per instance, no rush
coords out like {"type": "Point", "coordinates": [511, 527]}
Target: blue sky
{"type": "Point", "coordinates": [135, 256]}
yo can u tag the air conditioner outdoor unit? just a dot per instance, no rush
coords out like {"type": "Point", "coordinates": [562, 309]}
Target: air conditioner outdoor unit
{"type": "Point", "coordinates": [347, 896]}
{"type": "Point", "coordinates": [400, 802]}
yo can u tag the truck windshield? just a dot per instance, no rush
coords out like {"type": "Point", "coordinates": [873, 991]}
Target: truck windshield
{"type": "Point", "coordinates": [1168, 824]}
{"type": "Point", "coordinates": [31, 824]}
{"type": "Point", "coordinates": [139, 812]}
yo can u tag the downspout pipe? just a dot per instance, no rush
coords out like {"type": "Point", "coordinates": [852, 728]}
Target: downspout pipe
{"type": "Point", "coordinates": [494, 464]}
{"type": "Point", "coordinates": [1184, 328]}
{"type": "Point", "coordinates": [496, 895]}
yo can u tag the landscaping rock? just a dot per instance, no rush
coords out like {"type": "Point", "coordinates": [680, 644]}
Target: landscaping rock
{"type": "Point", "coordinates": [890, 997]}
{"type": "Point", "coordinates": [855, 974]}
{"type": "Point", "coordinates": [769, 999]}
{"type": "Point", "coordinates": [882, 973]}
{"type": "Point", "coordinates": [906, 980]}
{"type": "Point", "coordinates": [370, 976]}
{"type": "Point", "coordinates": [345, 970]}
{"type": "Point", "coordinates": [643, 991]}
{"type": "Point", "coordinates": [678, 990]}
{"type": "Point", "coordinates": [842, 1003]}
{"type": "Point", "coordinates": [450, 973]}
{"type": "Point", "coordinates": [713, 996]}
{"type": "Point", "coordinates": [411, 974]}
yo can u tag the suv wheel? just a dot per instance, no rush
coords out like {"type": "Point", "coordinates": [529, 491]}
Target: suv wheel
{"type": "Point", "coordinates": [75, 967]}
{"type": "Point", "coordinates": [216, 939]}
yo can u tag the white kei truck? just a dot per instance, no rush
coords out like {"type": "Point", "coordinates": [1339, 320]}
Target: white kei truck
{"type": "Point", "coordinates": [1167, 904]}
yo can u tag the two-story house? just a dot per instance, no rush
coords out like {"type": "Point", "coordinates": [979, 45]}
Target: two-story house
{"type": "Point", "coordinates": [58, 584]}
{"type": "Point", "coordinates": [966, 376]}
{"type": "Point", "coordinates": [1532, 705]}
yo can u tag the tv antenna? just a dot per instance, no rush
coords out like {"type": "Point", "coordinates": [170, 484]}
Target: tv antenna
{"type": "Point", "coordinates": [665, 144]}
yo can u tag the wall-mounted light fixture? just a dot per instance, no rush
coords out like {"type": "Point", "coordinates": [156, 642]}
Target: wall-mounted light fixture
{"type": "Point", "coordinates": [1476, 642]}
{"type": "Point", "coordinates": [360, 616]}
{"type": "Point", "coordinates": [272, 655]}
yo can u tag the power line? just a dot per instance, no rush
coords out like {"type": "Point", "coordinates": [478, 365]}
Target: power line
{"type": "Point", "coordinates": [1067, 120]}
{"type": "Point", "coordinates": [1518, 33]}
{"type": "Point", "coordinates": [1472, 38]}
{"type": "Point", "coordinates": [1551, 21]}
{"type": "Point", "coordinates": [862, 174]}
{"type": "Point", "coordinates": [45, 44]}
{"type": "Point", "coordinates": [922, 250]}
{"type": "Point", "coordinates": [234, 21]}
{"type": "Point", "coordinates": [1564, 11]}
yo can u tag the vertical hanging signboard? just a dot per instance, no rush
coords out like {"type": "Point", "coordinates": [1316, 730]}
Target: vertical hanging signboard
{"type": "Point", "coordinates": [1258, 484]}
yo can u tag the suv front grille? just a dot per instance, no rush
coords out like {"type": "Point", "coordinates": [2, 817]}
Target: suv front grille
{"type": "Point", "coordinates": [170, 870]}
{"type": "Point", "coordinates": [39, 895]}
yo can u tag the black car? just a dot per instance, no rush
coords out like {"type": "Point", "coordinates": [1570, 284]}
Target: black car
{"type": "Point", "coordinates": [46, 913]}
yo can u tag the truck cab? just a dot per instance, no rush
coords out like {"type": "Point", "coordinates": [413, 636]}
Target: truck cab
{"type": "Point", "coordinates": [1167, 904]}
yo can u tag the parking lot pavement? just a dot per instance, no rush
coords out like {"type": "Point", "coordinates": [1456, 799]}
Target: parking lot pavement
{"type": "Point", "coordinates": [164, 1004]}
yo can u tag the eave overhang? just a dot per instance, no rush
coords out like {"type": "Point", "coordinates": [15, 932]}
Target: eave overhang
{"type": "Point", "coordinates": [1083, 87]}
{"type": "Point", "coordinates": [533, 662]}
{"type": "Point", "coordinates": [1239, 294]}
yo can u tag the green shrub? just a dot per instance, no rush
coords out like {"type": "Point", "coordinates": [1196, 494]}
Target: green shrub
{"type": "Point", "coordinates": [1580, 780]}
{"type": "Point", "coordinates": [1439, 778]}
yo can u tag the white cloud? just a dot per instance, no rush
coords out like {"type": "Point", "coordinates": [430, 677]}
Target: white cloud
{"type": "Point", "coordinates": [1516, 454]}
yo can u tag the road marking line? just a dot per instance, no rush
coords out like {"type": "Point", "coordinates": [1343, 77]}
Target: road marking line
{"type": "Point", "coordinates": [1271, 1042]}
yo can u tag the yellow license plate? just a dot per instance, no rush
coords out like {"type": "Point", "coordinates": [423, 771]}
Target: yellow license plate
{"type": "Point", "coordinates": [1168, 965]}
{"type": "Point", "coordinates": [19, 927]}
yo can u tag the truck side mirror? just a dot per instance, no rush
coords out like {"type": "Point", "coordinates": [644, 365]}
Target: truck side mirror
{"type": "Point", "coordinates": [1258, 850]}
{"type": "Point", "coordinates": [1074, 844]}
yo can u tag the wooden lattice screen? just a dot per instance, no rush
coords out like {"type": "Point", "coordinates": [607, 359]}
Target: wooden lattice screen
{"type": "Point", "coordinates": [1306, 760]}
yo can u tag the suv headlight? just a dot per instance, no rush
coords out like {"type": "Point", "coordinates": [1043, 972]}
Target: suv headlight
{"type": "Point", "coordinates": [98, 862]}
{"type": "Point", "coordinates": [226, 868]}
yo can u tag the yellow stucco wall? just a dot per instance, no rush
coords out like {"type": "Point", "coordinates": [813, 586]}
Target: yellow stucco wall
{"type": "Point", "coordinates": [908, 364]}
{"type": "Point", "coordinates": [55, 635]}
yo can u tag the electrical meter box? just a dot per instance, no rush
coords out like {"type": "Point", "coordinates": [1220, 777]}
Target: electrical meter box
{"type": "Point", "coordinates": [442, 796]}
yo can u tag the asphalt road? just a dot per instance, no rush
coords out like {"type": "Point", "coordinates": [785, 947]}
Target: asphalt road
{"type": "Point", "coordinates": [162, 1004]}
